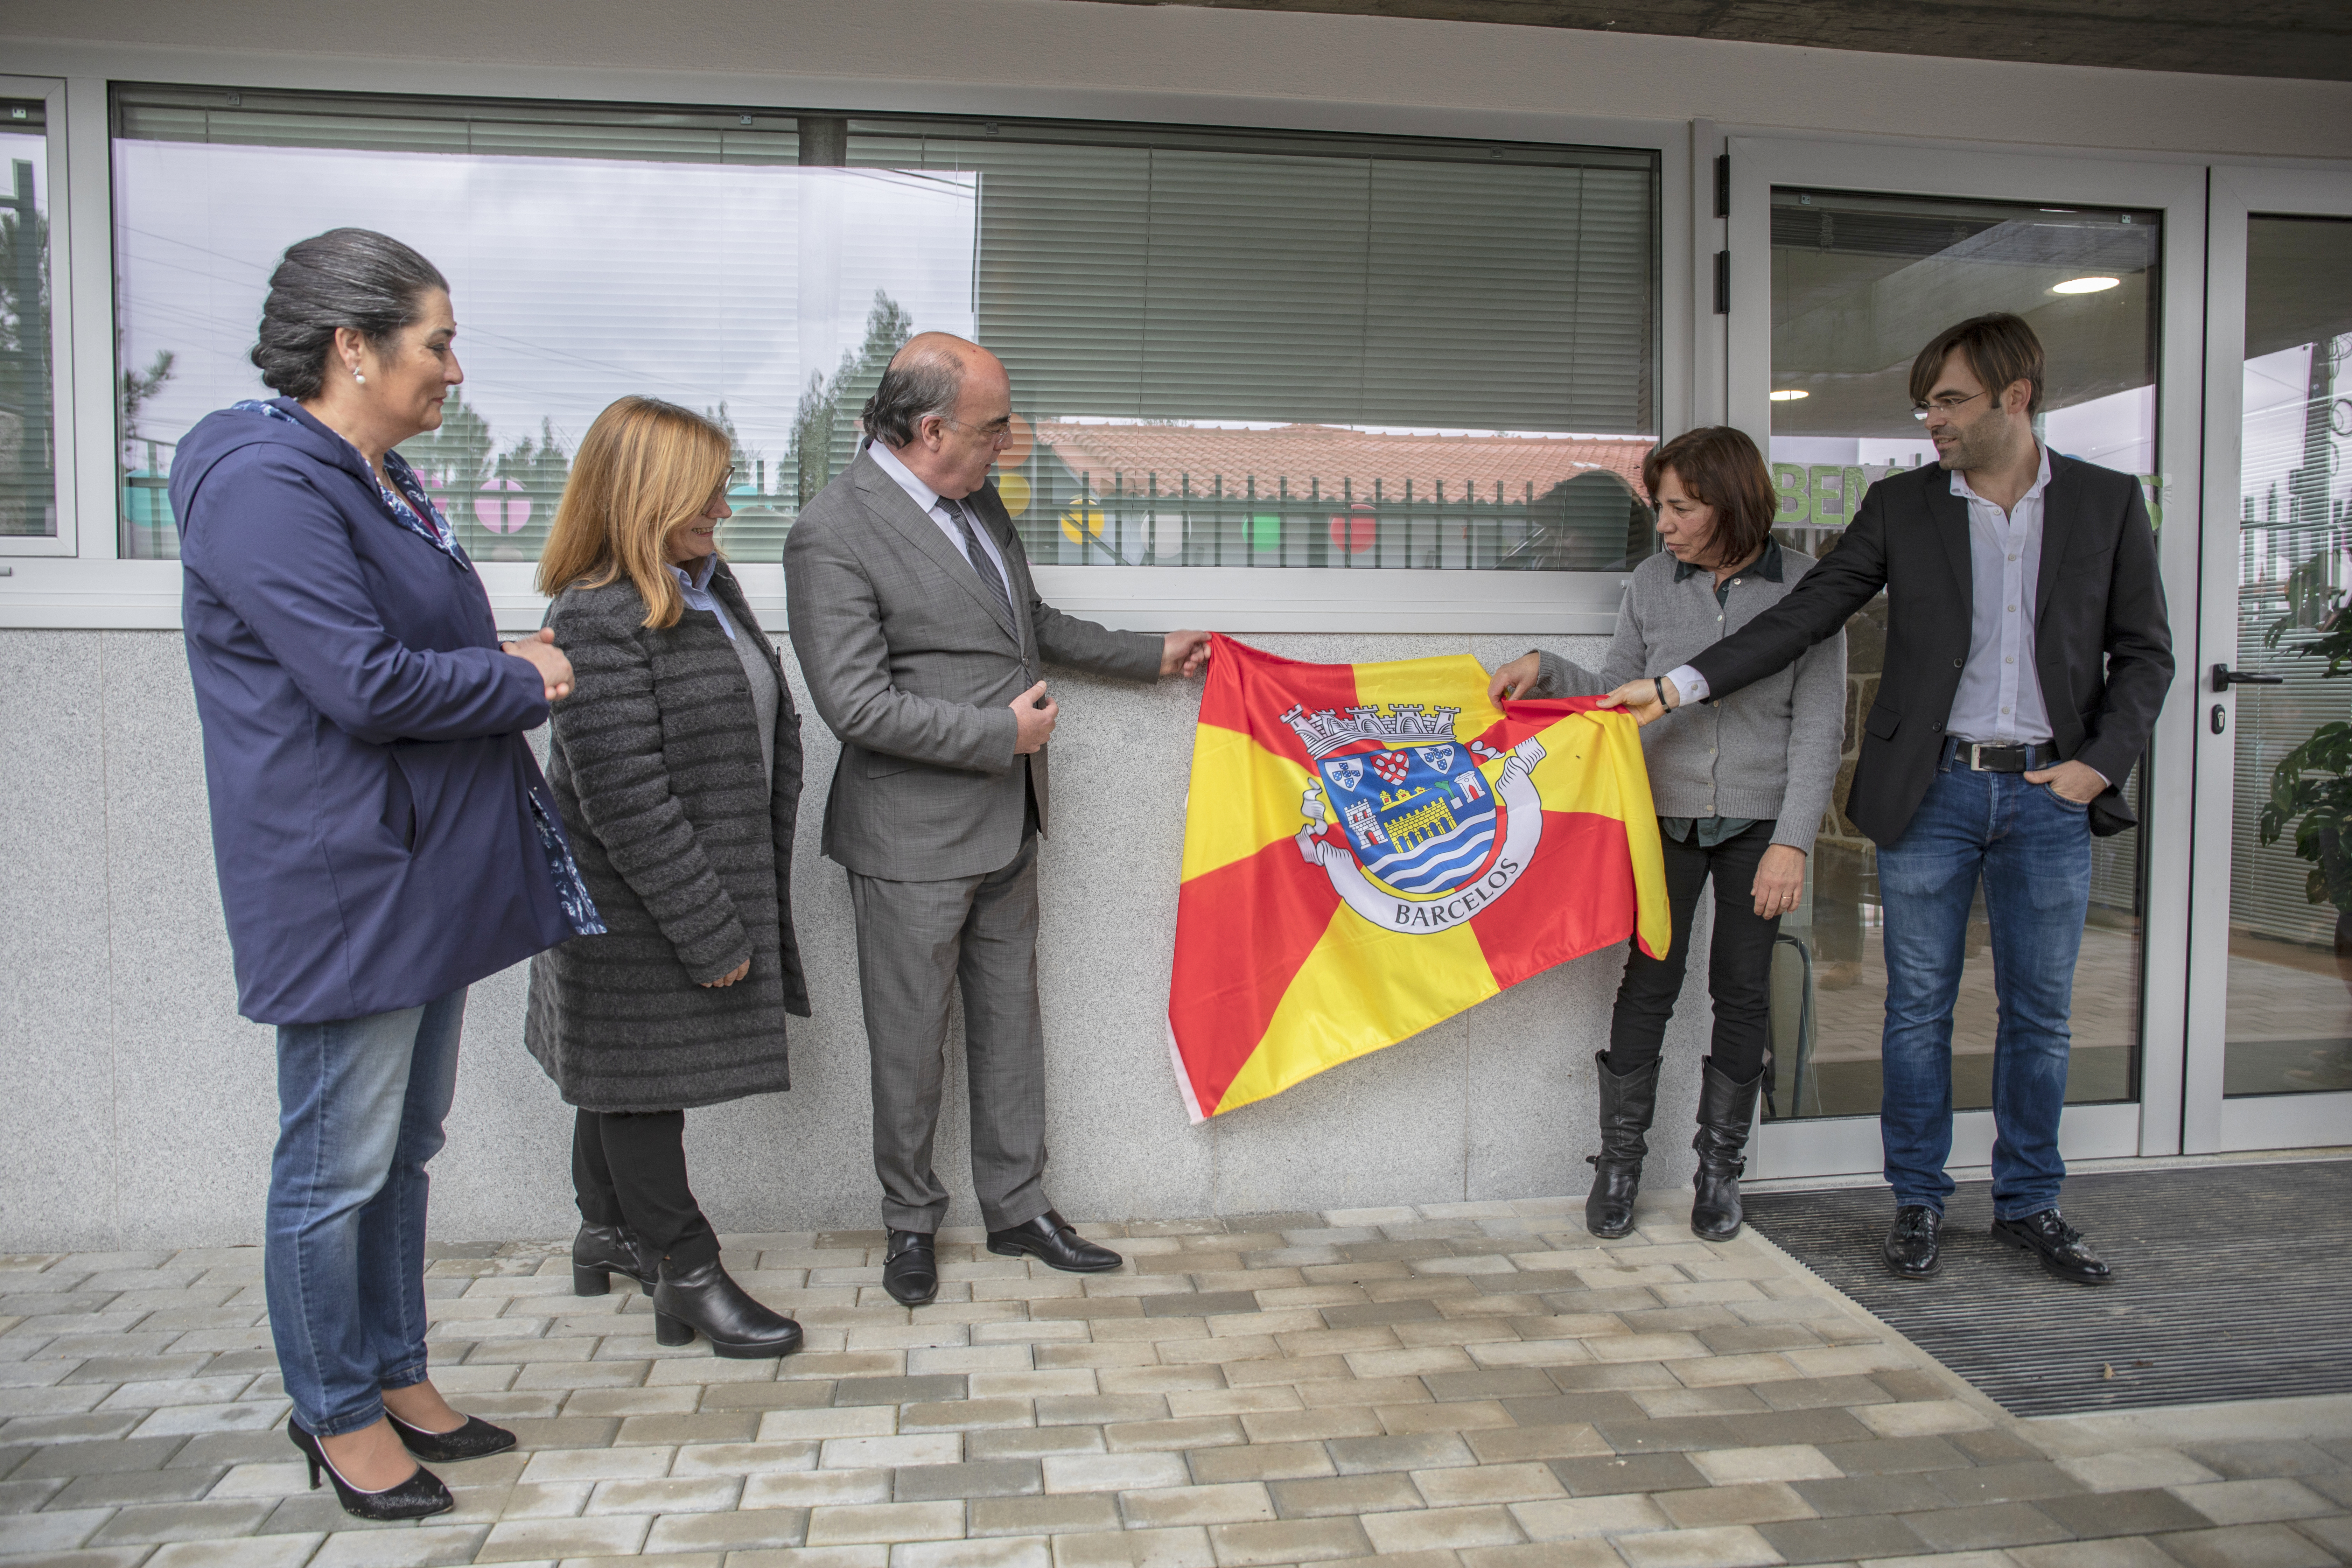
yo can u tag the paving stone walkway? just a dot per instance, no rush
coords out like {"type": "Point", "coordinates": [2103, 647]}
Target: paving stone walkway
{"type": "Point", "coordinates": [1476, 1385]}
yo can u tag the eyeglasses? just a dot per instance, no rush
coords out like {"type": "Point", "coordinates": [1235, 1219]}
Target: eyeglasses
{"type": "Point", "coordinates": [1949, 404]}
{"type": "Point", "coordinates": [993, 432]}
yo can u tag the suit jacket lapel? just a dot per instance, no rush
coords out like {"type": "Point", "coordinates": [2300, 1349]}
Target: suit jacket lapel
{"type": "Point", "coordinates": [897, 508]}
{"type": "Point", "coordinates": [1950, 513]}
{"type": "Point", "coordinates": [2057, 521]}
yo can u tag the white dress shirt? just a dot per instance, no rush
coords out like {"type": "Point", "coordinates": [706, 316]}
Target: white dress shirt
{"type": "Point", "coordinates": [936, 508]}
{"type": "Point", "coordinates": [694, 587]}
{"type": "Point", "coordinates": [2000, 697]}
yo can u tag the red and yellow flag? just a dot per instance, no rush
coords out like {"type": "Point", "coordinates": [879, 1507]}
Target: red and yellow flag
{"type": "Point", "coordinates": [1370, 848]}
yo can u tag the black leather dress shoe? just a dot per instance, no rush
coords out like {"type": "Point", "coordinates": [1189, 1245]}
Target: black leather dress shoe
{"type": "Point", "coordinates": [2060, 1247]}
{"type": "Point", "coordinates": [910, 1270]}
{"type": "Point", "coordinates": [1049, 1239]}
{"type": "Point", "coordinates": [1912, 1248]}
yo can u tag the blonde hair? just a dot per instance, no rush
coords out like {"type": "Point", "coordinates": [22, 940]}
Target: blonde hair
{"type": "Point", "coordinates": [645, 467]}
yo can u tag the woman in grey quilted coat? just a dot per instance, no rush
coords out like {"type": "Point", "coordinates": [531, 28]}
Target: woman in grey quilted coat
{"type": "Point", "coordinates": [676, 764]}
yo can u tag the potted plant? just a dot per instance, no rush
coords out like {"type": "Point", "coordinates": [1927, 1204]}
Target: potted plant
{"type": "Point", "coordinates": [2311, 786]}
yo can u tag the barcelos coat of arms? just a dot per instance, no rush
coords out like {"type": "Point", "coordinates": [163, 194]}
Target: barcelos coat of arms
{"type": "Point", "coordinates": [1414, 832]}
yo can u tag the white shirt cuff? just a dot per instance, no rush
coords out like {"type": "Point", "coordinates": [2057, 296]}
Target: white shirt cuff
{"type": "Point", "coordinates": [1689, 684]}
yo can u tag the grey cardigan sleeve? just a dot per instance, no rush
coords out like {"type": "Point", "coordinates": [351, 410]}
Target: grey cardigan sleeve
{"type": "Point", "coordinates": [1816, 742]}
{"type": "Point", "coordinates": [1626, 659]}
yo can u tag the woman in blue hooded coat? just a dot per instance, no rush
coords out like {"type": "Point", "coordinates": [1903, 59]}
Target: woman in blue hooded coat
{"type": "Point", "coordinates": [382, 835]}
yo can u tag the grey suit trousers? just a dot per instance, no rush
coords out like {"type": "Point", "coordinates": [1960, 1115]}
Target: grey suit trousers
{"type": "Point", "coordinates": [916, 940]}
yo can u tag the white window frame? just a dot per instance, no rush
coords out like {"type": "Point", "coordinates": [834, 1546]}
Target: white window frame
{"type": "Point", "coordinates": [1815, 1146]}
{"type": "Point", "coordinates": [51, 92]}
{"type": "Point", "coordinates": [87, 586]}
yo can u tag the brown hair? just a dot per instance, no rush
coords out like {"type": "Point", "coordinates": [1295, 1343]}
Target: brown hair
{"type": "Point", "coordinates": [1720, 467]}
{"type": "Point", "coordinates": [2001, 349]}
{"type": "Point", "coordinates": [645, 467]}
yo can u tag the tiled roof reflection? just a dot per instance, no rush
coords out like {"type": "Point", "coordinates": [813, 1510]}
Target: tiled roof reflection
{"type": "Point", "coordinates": [1331, 461]}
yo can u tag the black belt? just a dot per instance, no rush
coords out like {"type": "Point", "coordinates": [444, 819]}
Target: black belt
{"type": "Point", "coordinates": [1990, 757]}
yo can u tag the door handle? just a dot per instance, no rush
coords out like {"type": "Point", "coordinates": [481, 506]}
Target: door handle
{"type": "Point", "coordinates": [2225, 677]}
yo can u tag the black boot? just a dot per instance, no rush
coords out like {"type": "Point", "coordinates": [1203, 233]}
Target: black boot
{"type": "Point", "coordinates": [705, 1300]}
{"type": "Point", "coordinates": [1627, 1104]}
{"type": "Point", "coordinates": [601, 1252]}
{"type": "Point", "coordinates": [1726, 1111]}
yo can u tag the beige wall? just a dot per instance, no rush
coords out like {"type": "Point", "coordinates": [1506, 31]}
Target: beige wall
{"type": "Point", "coordinates": [976, 48]}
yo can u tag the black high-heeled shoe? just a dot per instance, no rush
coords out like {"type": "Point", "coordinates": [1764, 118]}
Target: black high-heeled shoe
{"type": "Point", "coordinates": [421, 1496]}
{"type": "Point", "coordinates": [474, 1441]}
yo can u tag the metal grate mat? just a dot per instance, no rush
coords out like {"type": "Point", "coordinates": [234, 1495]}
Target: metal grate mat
{"type": "Point", "coordinates": [2231, 1282]}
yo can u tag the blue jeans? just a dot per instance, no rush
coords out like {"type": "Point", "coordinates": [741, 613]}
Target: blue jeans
{"type": "Point", "coordinates": [359, 1107]}
{"type": "Point", "coordinates": [2032, 849]}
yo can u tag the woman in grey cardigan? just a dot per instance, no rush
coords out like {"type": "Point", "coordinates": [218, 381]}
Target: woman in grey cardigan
{"type": "Point", "coordinates": [676, 764]}
{"type": "Point", "coordinates": [1740, 787]}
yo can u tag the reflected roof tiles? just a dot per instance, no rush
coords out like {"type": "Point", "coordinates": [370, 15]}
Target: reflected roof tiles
{"type": "Point", "coordinates": [1331, 461]}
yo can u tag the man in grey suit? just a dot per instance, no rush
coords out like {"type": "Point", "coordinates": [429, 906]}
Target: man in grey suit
{"type": "Point", "coordinates": [922, 639]}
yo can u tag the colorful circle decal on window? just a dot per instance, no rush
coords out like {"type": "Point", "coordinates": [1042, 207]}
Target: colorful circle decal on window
{"type": "Point", "coordinates": [1085, 517]}
{"type": "Point", "coordinates": [501, 508]}
{"type": "Point", "coordinates": [1356, 529]}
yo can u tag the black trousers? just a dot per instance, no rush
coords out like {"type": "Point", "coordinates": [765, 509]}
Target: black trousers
{"type": "Point", "coordinates": [1739, 963]}
{"type": "Point", "coordinates": [628, 1167]}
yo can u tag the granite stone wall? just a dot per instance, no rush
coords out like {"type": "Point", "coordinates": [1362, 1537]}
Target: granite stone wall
{"type": "Point", "coordinates": [136, 1108]}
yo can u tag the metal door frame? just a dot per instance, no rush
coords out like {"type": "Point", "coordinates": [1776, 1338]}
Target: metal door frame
{"type": "Point", "coordinates": [2210, 1123]}
{"type": "Point", "coordinates": [2153, 1126]}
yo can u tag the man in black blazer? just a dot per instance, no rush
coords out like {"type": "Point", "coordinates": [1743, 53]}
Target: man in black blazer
{"type": "Point", "coordinates": [2027, 656]}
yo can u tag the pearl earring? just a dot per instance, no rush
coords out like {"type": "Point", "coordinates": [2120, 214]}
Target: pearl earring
{"type": "Point", "coordinates": [359, 377]}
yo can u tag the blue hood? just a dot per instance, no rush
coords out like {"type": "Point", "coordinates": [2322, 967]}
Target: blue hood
{"type": "Point", "coordinates": [280, 422]}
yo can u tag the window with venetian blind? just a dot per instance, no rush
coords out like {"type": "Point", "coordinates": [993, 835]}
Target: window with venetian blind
{"type": "Point", "coordinates": [1227, 348]}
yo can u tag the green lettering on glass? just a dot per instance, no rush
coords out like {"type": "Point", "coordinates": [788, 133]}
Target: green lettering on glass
{"type": "Point", "coordinates": [1788, 479]}
{"type": "Point", "coordinates": [1825, 495]}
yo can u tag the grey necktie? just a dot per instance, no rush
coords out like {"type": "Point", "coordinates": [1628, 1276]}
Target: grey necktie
{"type": "Point", "coordinates": [983, 567]}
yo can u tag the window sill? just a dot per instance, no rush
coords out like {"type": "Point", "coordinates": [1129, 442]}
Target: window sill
{"type": "Point", "coordinates": [70, 595]}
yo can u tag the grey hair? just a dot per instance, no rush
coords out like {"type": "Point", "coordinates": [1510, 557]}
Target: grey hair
{"type": "Point", "coordinates": [352, 278]}
{"type": "Point", "coordinates": [914, 387]}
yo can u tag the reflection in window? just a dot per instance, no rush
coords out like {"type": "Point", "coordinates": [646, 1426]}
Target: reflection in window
{"type": "Point", "coordinates": [1230, 349]}
{"type": "Point", "coordinates": [28, 463]}
{"type": "Point", "coordinates": [2290, 992]}
{"type": "Point", "coordinates": [1285, 351]}
{"type": "Point", "coordinates": [1860, 284]}
{"type": "Point", "coordinates": [587, 257]}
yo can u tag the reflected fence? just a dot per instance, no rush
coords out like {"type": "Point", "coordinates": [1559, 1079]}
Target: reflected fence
{"type": "Point", "coordinates": [1305, 496]}
{"type": "Point", "coordinates": [1246, 519]}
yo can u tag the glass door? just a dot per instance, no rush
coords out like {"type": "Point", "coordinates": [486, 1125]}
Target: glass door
{"type": "Point", "coordinates": [2271, 1038]}
{"type": "Point", "coordinates": [1865, 258]}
